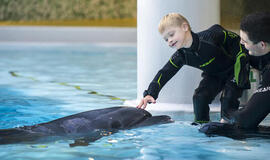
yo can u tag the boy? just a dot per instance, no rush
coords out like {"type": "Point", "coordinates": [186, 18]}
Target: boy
{"type": "Point", "coordinates": [216, 51]}
{"type": "Point", "coordinates": [255, 35]}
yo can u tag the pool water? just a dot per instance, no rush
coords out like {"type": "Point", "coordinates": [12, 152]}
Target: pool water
{"type": "Point", "coordinates": [42, 82]}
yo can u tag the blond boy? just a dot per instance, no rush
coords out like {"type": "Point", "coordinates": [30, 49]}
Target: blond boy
{"type": "Point", "coordinates": [215, 51]}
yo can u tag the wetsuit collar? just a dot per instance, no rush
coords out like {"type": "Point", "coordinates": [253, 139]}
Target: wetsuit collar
{"type": "Point", "coordinates": [266, 59]}
{"type": "Point", "coordinates": [263, 60]}
{"type": "Point", "coordinates": [195, 42]}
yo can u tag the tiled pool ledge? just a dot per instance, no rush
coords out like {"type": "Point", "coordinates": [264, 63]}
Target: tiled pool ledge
{"type": "Point", "coordinates": [170, 107]}
{"type": "Point", "coordinates": [68, 34]}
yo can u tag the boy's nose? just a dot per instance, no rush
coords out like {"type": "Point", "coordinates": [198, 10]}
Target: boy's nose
{"type": "Point", "coordinates": [170, 42]}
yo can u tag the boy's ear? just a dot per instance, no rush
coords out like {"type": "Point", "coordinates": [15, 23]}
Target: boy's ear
{"type": "Point", "coordinates": [185, 27]}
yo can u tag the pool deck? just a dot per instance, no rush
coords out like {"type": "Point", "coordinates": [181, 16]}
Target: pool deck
{"type": "Point", "coordinates": [215, 107]}
{"type": "Point", "coordinates": [47, 34]}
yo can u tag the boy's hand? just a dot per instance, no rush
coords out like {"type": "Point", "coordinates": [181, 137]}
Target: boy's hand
{"type": "Point", "coordinates": [145, 100]}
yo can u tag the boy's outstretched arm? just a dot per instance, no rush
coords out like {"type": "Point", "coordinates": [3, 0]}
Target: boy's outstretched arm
{"type": "Point", "coordinates": [145, 100]}
{"type": "Point", "coordinates": [162, 77]}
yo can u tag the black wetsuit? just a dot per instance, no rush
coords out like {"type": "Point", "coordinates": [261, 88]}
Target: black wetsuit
{"type": "Point", "coordinates": [215, 51]}
{"type": "Point", "coordinates": [258, 106]}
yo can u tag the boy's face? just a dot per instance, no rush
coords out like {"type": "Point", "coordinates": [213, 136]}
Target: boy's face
{"type": "Point", "coordinates": [175, 36]}
{"type": "Point", "coordinates": [253, 49]}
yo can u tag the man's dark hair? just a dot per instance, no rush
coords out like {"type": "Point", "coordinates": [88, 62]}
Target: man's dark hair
{"type": "Point", "coordinates": [257, 26]}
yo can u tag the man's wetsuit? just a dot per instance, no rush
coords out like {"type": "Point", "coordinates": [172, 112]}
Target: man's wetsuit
{"type": "Point", "coordinates": [218, 53]}
{"type": "Point", "coordinates": [258, 107]}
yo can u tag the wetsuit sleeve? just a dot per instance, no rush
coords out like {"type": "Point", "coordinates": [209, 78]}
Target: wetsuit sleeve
{"type": "Point", "coordinates": [231, 44]}
{"type": "Point", "coordinates": [164, 75]}
{"type": "Point", "coordinates": [257, 108]}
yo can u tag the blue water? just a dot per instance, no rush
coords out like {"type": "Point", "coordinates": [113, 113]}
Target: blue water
{"type": "Point", "coordinates": [54, 80]}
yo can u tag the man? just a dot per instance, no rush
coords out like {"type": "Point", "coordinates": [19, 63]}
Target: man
{"type": "Point", "coordinates": [255, 35]}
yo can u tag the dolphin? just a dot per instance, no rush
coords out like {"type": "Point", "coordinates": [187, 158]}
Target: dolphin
{"type": "Point", "coordinates": [235, 132]}
{"type": "Point", "coordinates": [84, 127]}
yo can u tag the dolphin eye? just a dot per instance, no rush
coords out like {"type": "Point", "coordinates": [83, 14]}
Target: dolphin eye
{"type": "Point", "coordinates": [115, 124]}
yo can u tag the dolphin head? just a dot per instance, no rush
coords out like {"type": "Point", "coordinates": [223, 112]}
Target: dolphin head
{"type": "Point", "coordinates": [129, 117]}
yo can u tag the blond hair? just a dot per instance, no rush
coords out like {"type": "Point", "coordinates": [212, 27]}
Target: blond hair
{"type": "Point", "coordinates": [172, 19]}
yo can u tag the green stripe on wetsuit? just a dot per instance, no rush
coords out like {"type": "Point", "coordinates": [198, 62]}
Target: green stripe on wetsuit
{"type": "Point", "coordinates": [210, 61]}
{"type": "Point", "coordinates": [173, 63]}
{"type": "Point", "coordinates": [225, 37]}
{"type": "Point", "coordinates": [237, 65]}
{"type": "Point", "coordinates": [240, 54]}
{"type": "Point", "coordinates": [159, 80]}
{"type": "Point", "coordinates": [201, 122]}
